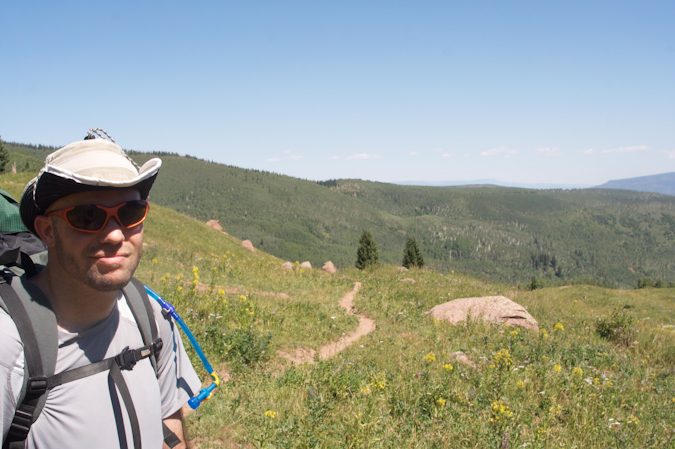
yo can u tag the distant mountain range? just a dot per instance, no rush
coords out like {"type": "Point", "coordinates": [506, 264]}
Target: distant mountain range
{"type": "Point", "coordinates": [491, 182]}
{"type": "Point", "coordinates": [663, 183]}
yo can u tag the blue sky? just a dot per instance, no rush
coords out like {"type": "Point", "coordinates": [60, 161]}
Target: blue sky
{"type": "Point", "coordinates": [522, 92]}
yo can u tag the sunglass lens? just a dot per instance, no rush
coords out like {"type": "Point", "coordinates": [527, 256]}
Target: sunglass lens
{"type": "Point", "coordinates": [132, 213]}
{"type": "Point", "coordinates": [86, 217]}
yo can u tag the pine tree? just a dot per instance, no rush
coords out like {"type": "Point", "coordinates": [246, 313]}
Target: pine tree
{"type": "Point", "coordinates": [4, 157]}
{"type": "Point", "coordinates": [366, 256]}
{"type": "Point", "coordinates": [412, 256]}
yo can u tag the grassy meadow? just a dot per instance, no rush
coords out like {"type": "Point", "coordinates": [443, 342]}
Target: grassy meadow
{"type": "Point", "coordinates": [564, 386]}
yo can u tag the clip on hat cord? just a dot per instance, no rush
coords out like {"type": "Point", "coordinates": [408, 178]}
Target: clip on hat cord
{"type": "Point", "coordinates": [204, 393]}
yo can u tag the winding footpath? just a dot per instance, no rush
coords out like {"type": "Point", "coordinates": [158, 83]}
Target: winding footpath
{"type": "Point", "coordinates": [366, 326]}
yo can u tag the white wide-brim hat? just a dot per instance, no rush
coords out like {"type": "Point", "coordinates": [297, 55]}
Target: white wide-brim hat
{"type": "Point", "coordinates": [87, 165]}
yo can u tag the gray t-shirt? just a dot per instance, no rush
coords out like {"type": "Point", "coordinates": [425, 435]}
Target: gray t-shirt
{"type": "Point", "coordinates": [88, 412]}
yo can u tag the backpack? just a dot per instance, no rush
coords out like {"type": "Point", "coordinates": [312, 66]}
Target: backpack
{"type": "Point", "coordinates": [21, 257]}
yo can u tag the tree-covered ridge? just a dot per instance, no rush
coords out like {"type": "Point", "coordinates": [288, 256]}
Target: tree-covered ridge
{"type": "Point", "coordinates": [497, 233]}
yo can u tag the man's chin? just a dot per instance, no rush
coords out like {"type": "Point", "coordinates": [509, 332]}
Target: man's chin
{"type": "Point", "coordinates": [109, 281]}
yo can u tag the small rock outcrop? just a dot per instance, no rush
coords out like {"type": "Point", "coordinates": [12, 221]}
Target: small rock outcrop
{"type": "Point", "coordinates": [287, 266]}
{"type": "Point", "coordinates": [402, 269]}
{"type": "Point", "coordinates": [328, 267]}
{"type": "Point", "coordinates": [410, 280]}
{"type": "Point", "coordinates": [215, 225]}
{"type": "Point", "coordinates": [248, 245]}
{"type": "Point", "coordinates": [306, 264]}
{"type": "Point", "coordinates": [490, 308]}
{"type": "Point", "coordinates": [461, 357]}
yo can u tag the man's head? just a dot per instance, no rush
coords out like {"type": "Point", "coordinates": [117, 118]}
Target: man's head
{"type": "Point", "coordinates": [87, 205]}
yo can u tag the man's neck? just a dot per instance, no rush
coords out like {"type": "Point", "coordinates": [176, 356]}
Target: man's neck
{"type": "Point", "coordinates": [77, 307]}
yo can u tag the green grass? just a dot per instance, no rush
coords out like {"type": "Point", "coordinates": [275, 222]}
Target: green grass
{"type": "Point", "coordinates": [397, 387]}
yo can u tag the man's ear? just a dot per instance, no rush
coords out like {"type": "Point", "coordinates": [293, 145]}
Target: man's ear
{"type": "Point", "coordinates": [45, 230]}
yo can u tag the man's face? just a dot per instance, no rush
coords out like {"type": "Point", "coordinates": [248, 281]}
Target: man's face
{"type": "Point", "coordinates": [104, 261]}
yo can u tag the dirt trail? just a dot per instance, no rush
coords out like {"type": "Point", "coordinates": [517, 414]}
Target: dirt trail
{"type": "Point", "coordinates": [366, 326]}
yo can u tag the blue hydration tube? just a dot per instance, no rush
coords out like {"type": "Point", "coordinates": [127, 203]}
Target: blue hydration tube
{"type": "Point", "coordinates": [204, 393]}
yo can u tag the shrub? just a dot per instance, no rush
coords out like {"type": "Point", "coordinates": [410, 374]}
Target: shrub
{"type": "Point", "coordinates": [412, 256]}
{"type": "Point", "coordinates": [645, 283]}
{"type": "Point", "coordinates": [247, 347]}
{"type": "Point", "coordinates": [4, 157]}
{"type": "Point", "coordinates": [366, 256]}
{"type": "Point", "coordinates": [535, 283]}
{"type": "Point", "coordinates": [618, 328]}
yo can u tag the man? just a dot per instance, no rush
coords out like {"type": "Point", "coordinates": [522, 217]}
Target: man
{"type": "Point", "coordinates": [88, 206]}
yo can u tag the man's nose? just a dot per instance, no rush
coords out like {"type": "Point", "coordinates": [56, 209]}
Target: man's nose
{"type": "Point", "coordinates": [112, 232]}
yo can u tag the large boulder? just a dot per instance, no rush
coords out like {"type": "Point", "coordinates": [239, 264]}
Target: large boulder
{"type": "Point", "coordinates": [215, 225]}
{"type": "Point", "coordinates": [490, 308]}
{"type": "Point", "coordinates": [248, 245]}
{"type": "Point", "coordinates": [328, 267]}
{"type": "Point", "coordinates": [287, 266]}
{"type": "Point", "coordinates": [306, 264]}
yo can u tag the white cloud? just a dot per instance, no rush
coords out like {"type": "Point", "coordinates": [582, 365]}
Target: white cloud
{"type": "Point", "coordinates": [499, 150]}
{"type": "Point", "coordinates": [273, 159]}
{"type": "Point", "coordinates": [626, 149]}
{"type": "Point", "coordinates": [446, 155]}
{"type": "Point", "coordinates": [294, 157]}
{"type": "Point", "coordinates": [364, 156]}
{"type": "Point", "coordinates": [589, 151]}
{"type": "Point", "coordinates": [547, 150]}
{"type": "Point", "coordinates": [413, 153]}
{"type": "Point", "coordinates": [287, 152]}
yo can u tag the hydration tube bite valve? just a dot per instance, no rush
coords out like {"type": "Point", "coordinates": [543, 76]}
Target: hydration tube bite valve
{"type": "Point", "coordinates": [204, 393]}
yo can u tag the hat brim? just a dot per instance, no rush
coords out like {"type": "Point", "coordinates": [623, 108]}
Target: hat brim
{"type": "Point", "coordinates": [53, 187]}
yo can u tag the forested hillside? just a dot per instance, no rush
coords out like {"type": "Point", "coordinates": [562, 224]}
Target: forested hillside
{"type": "Point", "coordinates": [497, 233]}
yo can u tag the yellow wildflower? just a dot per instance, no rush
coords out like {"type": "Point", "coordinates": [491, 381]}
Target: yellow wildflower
{"type": "Point", "coordinates": [448, 367]}
{"type": "Point", "coordinates": [559, 327]}
{"type": "Point", "coordinates": [441, 402]}
{"type": "Point", "coordinates": [577, 371]}
{"type": "Point", "coordinates": [242, 297]}
{"type": "Point", "coordinates": [154, 260]}
{"type": "Point", "coordinates": [271, 414]}
{"type": "Point", "coordinates": [431, 357]}
{"type": "Point", "coordinates": [195, 269]}
{"type": "Point", "coordinates": [180, 288]}
{"type": "Point", "coordinates": [520, 384]}
{"type": "Point", "coordinates": [557, 367]}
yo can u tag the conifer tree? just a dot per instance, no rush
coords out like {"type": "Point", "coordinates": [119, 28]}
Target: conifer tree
{"type": "Point", "coordinates": [4, 157]}
{"type": "Point", "coordinates": [366, 256]}
{"type": "Point", "coordinates": [412, 256]}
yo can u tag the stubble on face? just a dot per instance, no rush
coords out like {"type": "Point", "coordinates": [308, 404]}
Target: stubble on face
{"type": "Point", "coordinates": [83, 267]}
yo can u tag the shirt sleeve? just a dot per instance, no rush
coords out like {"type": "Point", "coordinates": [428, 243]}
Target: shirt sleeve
{"type": "Point", "coordinates": [178, 380]}
{"type": "Point", "coordinates": [11, 371]}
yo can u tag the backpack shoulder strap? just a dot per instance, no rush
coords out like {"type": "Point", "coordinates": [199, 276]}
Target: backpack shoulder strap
{"type": "Point", "coordinates": [140, 306]}
{"type": "Point", "coordinates": [36, 324]}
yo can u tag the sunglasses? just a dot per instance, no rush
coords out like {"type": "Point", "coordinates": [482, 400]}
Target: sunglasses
{"type": "Point", "coordinates": [93, 218]}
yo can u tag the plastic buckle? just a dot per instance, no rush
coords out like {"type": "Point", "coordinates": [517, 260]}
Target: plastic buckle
{"type": "Point", "coordinates": [126, 359]}
{"type": "Point", "coordinates": [37, 386]}
{"type": "Point", "coordinates": [157, 346]}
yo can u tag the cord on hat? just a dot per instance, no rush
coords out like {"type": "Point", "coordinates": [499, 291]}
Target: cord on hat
{"type": "Point", "coordinates": [98, 131]}
{"type": "Point", "coordinates": [90, 135]}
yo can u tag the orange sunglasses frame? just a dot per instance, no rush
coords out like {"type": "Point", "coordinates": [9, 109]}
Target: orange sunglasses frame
{"type": "Point", "coordinates": [110, 211]}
